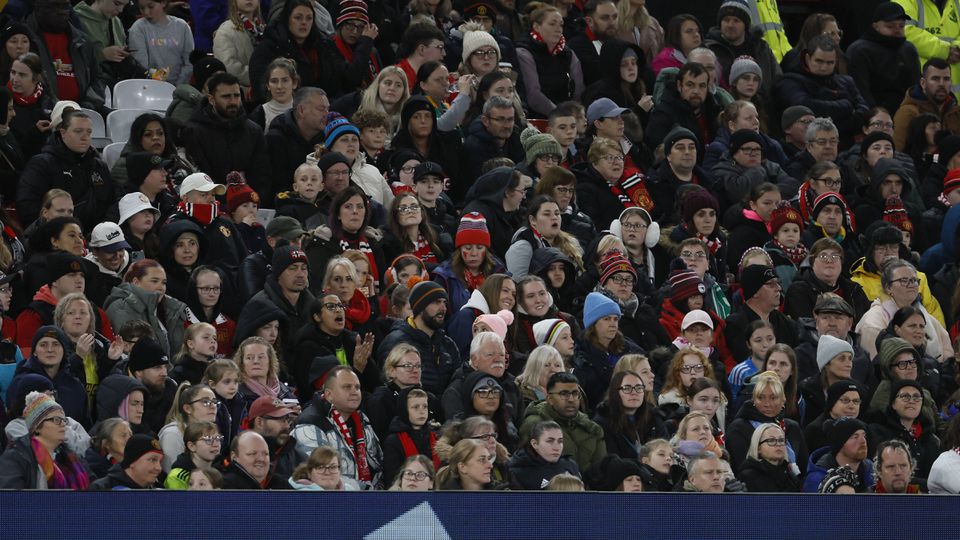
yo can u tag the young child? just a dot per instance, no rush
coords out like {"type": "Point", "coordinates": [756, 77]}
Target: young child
{"type": "Point", "coordinates": [198, 350]}
{"type": "Point", "coordinates": [410, 432]}
{"type": "Point", "coordinates": [205, 479]}
{"type": "Point", "coordinates": [896, 214]}
{"type": "Point", "coordinates": [301, 201]}
{"type": "Point", "coordinates": [203, 444]}
{"type": "Point", "coordinates": [162, 43]}
{"type": "Point", "coordinates": [223, 376]}
{"type": "Point", "coordinates": [242, 205]}
{"type": "Point", "coordinates": [760, 338]}
{"type": "Point", "coordinates": [373, 132]}
{"type": "Point", "coordinates": [786, 250]}
{"type": "Point", "coordinates": [402, 165]}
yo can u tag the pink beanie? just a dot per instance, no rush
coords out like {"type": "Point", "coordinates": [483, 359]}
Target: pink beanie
{"type": "Point", "coordinates": [498, 322]}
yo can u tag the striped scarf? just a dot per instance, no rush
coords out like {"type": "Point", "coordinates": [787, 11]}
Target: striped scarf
{"type": "Point", "coordinates": [65, 473]}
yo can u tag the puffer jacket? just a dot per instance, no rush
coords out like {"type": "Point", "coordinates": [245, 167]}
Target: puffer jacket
{"type": "Point", "coordinates": [234, 47]}
{"type": "Point", "coordinates": [529, 471]}
{"type": "Point", "coordinates": [834, 96]}
{"type": "Point", "coordinates": [582, 438]}
{"type": "Point", "coordinates": [315, 428]}
{"type": "Point", "coordinates": [761, 476]}
{"type": "Point", "coordinates": [127, 302]}
{"type": "Point", "coordinates": [732, 182]}
{"type": "Point", "coordinates": [438, 353]}
{"type": "Point", "coordinates": [219, 145]}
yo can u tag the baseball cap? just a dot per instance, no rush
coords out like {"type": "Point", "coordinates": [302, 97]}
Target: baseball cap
{"type": "Point", "coordinates": [603, 108]}
{"type": "Point", "coordinates": [268, 406]}
{"type": "Point", "coordinates": [201, 182]}
{"type": "Point", "coordinates": [108, 237]}
{"type": "Point", "coordinates": [889, 12]}
{"type": "Point", "coordinates": [426, 168]}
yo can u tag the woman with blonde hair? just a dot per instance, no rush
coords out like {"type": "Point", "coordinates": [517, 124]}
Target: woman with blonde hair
{"type": "Point", "coordinates": [191, 403]}
{"type": "Point", "coordinates": [636, 25]}
{"type": "Point", "coordinates": [695, 436]}
{"type": "Point", "coordinates": [468, 468]}
{"type": "Point", "coordinates": [260, 371]}
{"type": "Point", "coordinates": [766, 469]}
{"type": "Point", "coordinates": [76, 316]}
{"type": "Point", "coordinates": [475, 428]}
{"type": "Point", "coordinates": [234, 41]}
{"type": "Point", "coordinates": [387, 93]}
{"type": "Point", "coordinates": [543, 362]}
{"type": "Point", "coordinates": [551, 71]}
{"type": "Point", "coordinates": [766, 407]}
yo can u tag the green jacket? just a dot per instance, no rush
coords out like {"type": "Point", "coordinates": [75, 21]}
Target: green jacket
{"type": "Point", "coordinates": [99, 29]}
{"type": "Point", "coordinates": [582, 438]}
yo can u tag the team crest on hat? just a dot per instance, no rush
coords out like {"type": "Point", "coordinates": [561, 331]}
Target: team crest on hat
{"type": "Point", "coordinates": [155, 444]}
{"type": "Point", "coordinates": [482, 10]}
{"type": "Point", "coordinates": [75, 266]}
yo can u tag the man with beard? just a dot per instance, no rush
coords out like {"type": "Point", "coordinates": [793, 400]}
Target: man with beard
{"type": "Point", "coordinates": [70, 69]}
{"type": "Point", "coordinates": [761, 300]}
{"type": "Point", "coordinates": [333, 419]}
{"type": "Point", "coordinates": [148, 364]}
{"type": "Point", "coordinates": [249, 466]}
{"type": "Point", "coordinates": [895, 466]}
{"type": "Point", "coordinates": [847, 439]}
{"type": "Point", "coordinates": [601, 19]}
{"type": "Point", "coordinates": [686, 106]}
{"type": "Point", "coordinates": [931, 95]}
{"type": "Point", "coordinates": [487, 355]}
{"type": "Point", "coordinates": [424, 330]}
{"type": "Point", "coordinates": [219, 138]}
{"type": "Point", "coordinates": [272, 420]}
{"type": "Point", "coordinates": [286, 289]}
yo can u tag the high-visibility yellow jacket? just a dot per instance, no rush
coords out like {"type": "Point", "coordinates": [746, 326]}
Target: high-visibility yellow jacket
{"type": "Point", "coordinates": [765, 14]}
{"type": "Point", "coordinates": [933, 32]}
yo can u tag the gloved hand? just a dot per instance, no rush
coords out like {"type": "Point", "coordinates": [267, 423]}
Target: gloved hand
{"type": "Point", "coordinates": [732, 485]}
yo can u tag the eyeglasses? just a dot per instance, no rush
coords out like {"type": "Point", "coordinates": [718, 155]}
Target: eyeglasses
{"type": "Point", "coordinates": [692, 369]}
{"type": "Point", "coordinates": [915, 398]}
{"type": "Point", "coordinates": [612, 158]}
{"type": "Point", "coordinates": [207, 402]}
{"type": "Point", "coordinates": [834, 33]}
{"type": "Point", "coordinates": [849, 401]}
{"type": "Point", "coordinates": [290, 418]}
{"type": "Point", "coordinates": [777, 441]}
{"type": "Point", "coordinates": [551, 159]}
{"type": "Point", "coordinates": [212, 439]}
{"type": "Point", "coordinates": [751, 151]}
{"type": "Point", "coordinates": [410, 367]}
{"type": "Point", "coordinates": [500, 119]}
{"type": "Point", "coordinates": [333, 467]}
{"type": "Point", "coordinates": [519, 190]}
{"type": "Point", "coordinates": [633, 226]}
{"type": "Point", "coordinates": [565, 190]}
{"type": "Point", "coordinates": [824, 142]}
{"type": "Point", "coordinates": [622, 280]}
{"type": "Point", "coordinates": [907, 281]}
{"type": "Point", "coordinates": [208, 290]}
{"type": "Point", "coordinates": [488, 393]}
{"type": "Point", "coordinates": [635, 389]}
{"type": "Point", "coordinates": [905, 364]}
{"type": "Point", "coordinates": [408, 169]}
{"type": "Point", "coordinates": [419, 476]}
{"type": "Point", "coordinates": [830, 182]}
{"type": "Point", "coordinates": [408, 209]}
{"type": "Point", "coordinates": [355, 26]}
{"type": "Point", "coordinates": [485, 53]}
{"type": "Point", "coordinates": [334, 306]}
{"type": "Point", "coordinates": [438, 46]}
{"type": "Point", "coordinates": [485, 437]}
{"type": "Point", "coordinates": [827, 258]}
{"type": "Point", "coordinates": [57, 420]}
{"type": "Point", "coordinates": [339, 174]}
{"type": "Point", "coordinates": [567, 394]}
{"type": "Point", "coordinates": [879, 124]}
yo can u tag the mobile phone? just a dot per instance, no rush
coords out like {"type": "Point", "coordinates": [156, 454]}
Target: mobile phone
{"type": "Point", "coordinates": [290, 401]}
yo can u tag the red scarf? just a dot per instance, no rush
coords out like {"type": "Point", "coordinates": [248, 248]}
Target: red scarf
{"type": "Point", "coordinates": [345, 51]}
{"type": "Point", "coordinates": [473, 281]}
{"type": "Point", "coordinates": [201, 212]}
{"type": "Point", "coordinates": [21, 99]}
{"type": "Point", "coordinates": [423, 251]}
{"type": "Point", "coordinates": [557, 49]}
{"type": "Point", "coordinates": [410, 449]}
{"type": "Point", "coordinates": [796, 255]}
{"type": "Point", "coordinates": [358, 310]}
{"type": "Point", "coordinates": [359, 448]}
{"type": "Point", "coordinates": [361, 244]}
{"type": "Point", "coordinates": [713, 244]}
{"type": "Point", "coordinates": [911, 488]}
{"type": "Point", "coordinates": [253, 27]}
{"type": "Point", "coordinates": [916, 431]}
{"type": "Point", "coordinates": [805, 202]}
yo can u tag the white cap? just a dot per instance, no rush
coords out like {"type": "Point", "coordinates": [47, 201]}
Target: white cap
{"type": "Point", "coordinates": [133, 203]}
{"type": "Point", "coordinates": [200, 182]}
{"type": "Point", "coordinates": [696, 316]}
{"type": "Point", "coordinates": [108, 237]}
{"type": "Point", "coordinates": [56, 115]}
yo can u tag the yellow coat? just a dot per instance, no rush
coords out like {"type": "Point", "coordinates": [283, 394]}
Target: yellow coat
{"type": "Point", "coordinates": [765, 14]}
{"type": "Point", "coordinates": [870, 281]}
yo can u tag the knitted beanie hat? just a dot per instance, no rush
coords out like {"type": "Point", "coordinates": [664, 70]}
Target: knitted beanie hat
{"type": "Point", "coordinates": [423, 294]}
{"type": "Point", "coordinates": [838, 389]}
{"type": "Point", "coordinates": [39, 406]}
{"type": "Point", "coordinates": [839, 431]}
{"type": "Point", "coordinates": [895, 214]}
{"type": "Point", "coordinates": [337, 126]}
{"type": "Point", "coordinates": [498, 322]}
{"type": "Point", "coordinates": [683, 285]}
{"type": "Point", "coordinates": [741, 137]}
{"type": "Point", "coordinates": [743, 65]}
{"type": "Point", "coordinates": [547, 331]}
{"type": "Point", "coordinates": [473, 230]}
{"type": "Point", "coordinates": [753, 277]}
{"type": "Point", "coordinates": [783, 214]}
{"type": "Point", "coordinates": [353, 10]}
{"type": "Point", "coordinates": [536, 144]}
{"type": "Point", "coordinates": [475, 39]}
{"type": "Point", "coordinates": [829, 347]}
{"type": "Point", "coordinates": [239, 191]}
{"type": "Point", "coordinates": [737, 8]}
{"type": "Point", "coordinates": [697, 200]}
{"type": "Point", "coordinates": [613, 263]}
{"type": "Point", "coordinates": [676, 135]}
{"type": "Point", "coordinates": [598, 306]}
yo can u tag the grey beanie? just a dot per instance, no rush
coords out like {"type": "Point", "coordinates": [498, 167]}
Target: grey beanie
{"type": "Point", "coordinates": [743, 65]}
{"type": "Point", "coordinates": [829, 347]}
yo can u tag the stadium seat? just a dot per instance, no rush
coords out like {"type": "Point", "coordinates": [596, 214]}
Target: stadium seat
{"type": "Point", "coordinates": [143, 94]}
{"type": "Point", "coordinates": [112, 153]}
{"type": "Point", "coordinates": [119, 122]}
{"type": "Point", "coordinates": [100, 138]}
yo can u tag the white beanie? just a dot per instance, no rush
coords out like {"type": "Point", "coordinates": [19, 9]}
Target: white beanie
{"type": "Point", "coordinates": [474, 39]}
{"type": "Point", "coordinates": [829, 348]}
{"type": "Point", "coordinates": [546, 331]}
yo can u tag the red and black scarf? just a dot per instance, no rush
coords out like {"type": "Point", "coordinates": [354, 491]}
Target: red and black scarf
{"type": "Point", "coordinates": [713, 244]}
{"type": "Point", "coordinates": [345, 51]}
{"type": "Point", "coordinates": [796, 255]}
{"type": "Point", "coordinates": [361, 244]}
{"type": "Point", "coordinates": [202, 213]}
{"type": "Point", "coordinates": [410, 449]}
{"type": "Point", "coordinates": [254, 27]}
{"type": "Point", "coordinates": [358, 447]}
{"type": "Point", "coordinates": [21, 99]}
{"type": "Point", "coordinates": [633, 192]}
{"type": "Point", "coordinates": [557, 49]}
{"type": "Point", "coordinates": [423, 251]}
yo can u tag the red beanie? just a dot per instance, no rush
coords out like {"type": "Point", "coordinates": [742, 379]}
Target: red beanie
{"type": "Point", "coordinates": [684, 284]}
{"type": "Point", "coordinates": [473, 230]}
{"type": "Point", "coordinates": [613, 263]}
{"type": "Point", "coordinates": [784, 214]}
{"type": "Point", "coordinates": [895, 214]}
{"type": "Point", "coordinates": [239, 192]}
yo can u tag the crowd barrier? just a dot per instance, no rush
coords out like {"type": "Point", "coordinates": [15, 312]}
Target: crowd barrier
{"type": "Point", "coordinates": [478, 515]}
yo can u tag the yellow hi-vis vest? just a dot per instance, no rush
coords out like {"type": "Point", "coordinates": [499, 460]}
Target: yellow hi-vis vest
{"type": "Point", "coordinates": [933, 32]}
{"type": "Point", "coordinates": [765, 14]}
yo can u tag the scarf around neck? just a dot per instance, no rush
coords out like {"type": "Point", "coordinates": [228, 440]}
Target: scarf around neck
{"type": "Point", "coordinates": [67, 474]}
{"type": "Point", "coordinates": [796, 254]}
{"type": "Point", "coordinates": [557, 49]}
{"type": "Point", "coordinates": [201, 212]}
{"type": "Point", "coordinates": [21, 99]}
{"type": "Point", "coordinates": [358, 447]}
{"type": "Point", "coordinates": [253, 27]}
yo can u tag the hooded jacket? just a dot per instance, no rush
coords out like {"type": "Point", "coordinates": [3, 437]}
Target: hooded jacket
{"type": "Point", "coordinates": [219, 145]}
{"type": "Point", "coordinates": [287, 148]}
{"type": "Point", "coordinates": [539, 265]}
{"type": "Point", "coordinates": [732, 182]}
{"type": "Point", "coordinates": [605, 81]}
{"type": "Point", "coordinates": [741, 430]}
{"type": "Point", "coordinates": [315, 427]}
{"type": "Point", "coordinates": [821, 461]}
{"type": "Point", "coordinates": [127, 302]}
{"type": "Point", "coordinates": [870, 207]}
{"type": "Point", "coordinates": [943, 282]}
{"type": "Point", "coordinates": [260, 310]}
{"type": "Point", "coordinates": [71, 395]}
{"type": "Point", "coordinates": [111, 393]}
{"type": "Point", "coordinates": [295, 317]}
{"type": "Point", "coordinates": [883, 67]}
{"type": "Point", "coordinates": [424, 438]}
{"type": "Point", "coordinates": [583, 438]}
{"type": "Point", "coordinates": [84, 176]}
{"type": "Point", "coordinates": [486, 197]}
{"type": "Point", "coordinates": [529, 471]}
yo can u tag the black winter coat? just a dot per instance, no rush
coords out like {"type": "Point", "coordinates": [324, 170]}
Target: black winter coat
{"type": "Point", "coordinates": [594, 196]}
{"type": "Point", "coordinates": [157, 406]}
{"type": "Point", "coordinates": [673, 111]}
{"type": "Point", "coordinates": [732, 182]}
{"type": "Point", "coordinates": [288, 150]}
{"type": "Point", "coordinates": [85, 176]}
{"type": "Point", "coordinates": [883, 67]}
{"type": "Point", "coordinates": [348, 76]}
{"type": "Point", "coordinates": [622, 444]}
{"type": "Point", "coordinates": [393, 452]}
{"type": "Point", "coordinates": [189, 369]}
{"type": "Point", "coordinates": [594, 368]}
{"type": "Point", "coordinates": [743, 233]}
{"type": "Point", "coordinates": [479, 146]}
{"type": "Point", "coordinates": [486, 197]}
{"type": "Point", "coordinates": [71, 394]}
{"type": "Point", "coordinates": [664, 190]}
{"type": "Point", "coordinates": [112, 391]}
{"type": "Point", "coordinates": [741, 430]}
{"type": "Point", "coordinates": [278, 43]}
{"type": "Point", "coordinates": [438, 354]}
{"type": "Point", "coordinates": [924, 449]}
{"type": "Point", "coordinates": [117, 478]}
{"type": "Point", "coordinates": [220, 145]}
{"type": "Point", "coordinates": [529, 471]}
{"type": "Point", "coordinates": [765, 477]}
{"type": "Point", "coordinates": [313, 344]}
{"type": "Point", "coordinates": [834, 96]}
{"type": "Point", "coordinates": [801, 297]}
{"type": "Point", "coordinates": [253, 272]}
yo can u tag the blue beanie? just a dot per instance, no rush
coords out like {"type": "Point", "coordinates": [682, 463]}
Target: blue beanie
{"type": "Point", "coordinates": [597, 307]}
{"type": "Point", "coordinates": [337, 126]}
